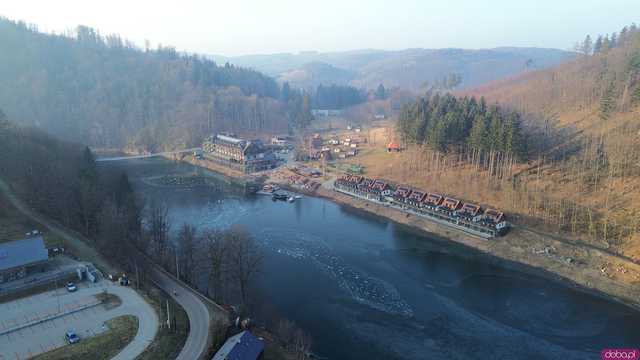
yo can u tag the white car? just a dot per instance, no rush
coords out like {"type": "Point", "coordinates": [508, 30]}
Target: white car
{"type": "Point", "coordinates": [71, 287]}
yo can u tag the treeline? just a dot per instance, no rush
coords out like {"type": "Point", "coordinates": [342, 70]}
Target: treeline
{"type": "Point", "coordinates": [106, 92]}
{"type": "Point", "coordinates": [618, 76]}
{"type": "Point", "coordinates": [337, 96]}
{"type": "Point", "coordinates": [604, 43]}
{"type": "Point", "coordinates": [444, 122]}
{"type": "Point", "coordinates": [61, 180]}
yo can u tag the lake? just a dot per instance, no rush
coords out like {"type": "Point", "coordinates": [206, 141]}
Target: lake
{"type": "Point", "coordinates": [367, 288]}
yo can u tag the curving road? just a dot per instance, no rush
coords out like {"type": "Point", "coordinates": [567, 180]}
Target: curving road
{"type": "Point", "coordinates": [199, 316]}
{"type": "Point", "coordinates": [134, 304]}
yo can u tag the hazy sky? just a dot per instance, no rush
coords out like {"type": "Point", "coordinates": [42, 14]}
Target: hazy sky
{"type": "Point", "coordinates": [236, 27]}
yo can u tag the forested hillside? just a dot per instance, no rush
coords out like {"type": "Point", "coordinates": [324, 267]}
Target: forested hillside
{"type": "Point", "coordinates": [61, 180]}
{"type": "Point", "coordinates": [589, 181]}
{"type": "Point", "coordinates": [557, 149]}
{"type": "Point", "coordinates": [444, 122]}
{"type": "Point", "coordinates": [105, 92]}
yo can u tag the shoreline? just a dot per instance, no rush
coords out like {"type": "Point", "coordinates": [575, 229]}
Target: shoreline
{"type": "Point", "coordinates": [508, 251]}
{"type": "Point", "coordinates": [480, 247]}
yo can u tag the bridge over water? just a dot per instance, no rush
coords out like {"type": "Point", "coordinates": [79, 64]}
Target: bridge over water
{"type": "Point", "coordinates": [144, 156]}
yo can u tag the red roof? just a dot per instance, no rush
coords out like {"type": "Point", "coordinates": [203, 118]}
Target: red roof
{"type": "Point", "coordinates": [393, 145]}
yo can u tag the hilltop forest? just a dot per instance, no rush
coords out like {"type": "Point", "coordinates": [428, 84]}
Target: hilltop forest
{"type": "Point", "coordinates": [105, 92]}
{"type": "Point", "coordinates": [443, 122]}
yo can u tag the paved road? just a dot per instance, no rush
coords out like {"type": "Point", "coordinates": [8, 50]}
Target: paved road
{"type": "Point", "coordinates": [145, 156]}
{"type": "Point", "coordinates": [199, 316]}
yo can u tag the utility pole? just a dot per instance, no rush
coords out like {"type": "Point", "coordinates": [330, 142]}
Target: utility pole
{"type": "Point", "coordinates": [137, 275]}
{"type": "Point", "coordinates": [177, 266]}
{"type": "Point", "coordinates": [168, 316]}
{"type": "Point", "coordinates": [57, 296]}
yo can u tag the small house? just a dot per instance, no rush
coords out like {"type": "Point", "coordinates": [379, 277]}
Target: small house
{"type": "Point", "coordinates": [469, 210]}
{"type": "Point", "coordinates": [450, 204]}
{"type": "Point", "coordinates": [316, 141]}
{"type": "Point", "coordinates": [379, 186]}
{"type": "Point", "coordinates": [401, 193]}
{"type": "Point", "coordinates": [366, 184]}
{"type": "Point", "coordinates": [433, 199]}
{"type": "Point", "coordinates": [494, 215]}
{"type": "Point", "coordinates": [393, 147]}
{"type": "Point", "coordinates": [242, 346]}
{"type": "Point", "coordinates": [416, 197]}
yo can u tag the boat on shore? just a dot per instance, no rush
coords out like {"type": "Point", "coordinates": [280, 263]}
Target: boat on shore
{"type": "Point", "coordinates": [268, 189]}
{"type": "Point", "coordinates": [280, 195]}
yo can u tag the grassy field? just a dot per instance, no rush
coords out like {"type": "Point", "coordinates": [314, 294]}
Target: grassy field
{"type": "Point", "coordinates": [104, 346]}
{"type": "Point", "coordinates": [14, 225]}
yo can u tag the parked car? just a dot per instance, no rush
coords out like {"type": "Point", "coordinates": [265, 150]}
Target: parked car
{"type": "Point", "coordinates": [71, 337]}
{"type": "Point", "coordinates": [71, 287]}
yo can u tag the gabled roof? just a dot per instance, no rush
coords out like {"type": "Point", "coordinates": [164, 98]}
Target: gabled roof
{"type": "Point", "coordinates": [242, 346]}
{"type": "Point", "coordinates": [22, 252]}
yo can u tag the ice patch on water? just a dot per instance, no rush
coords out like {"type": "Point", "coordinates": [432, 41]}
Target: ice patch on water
{"type": "Point", "coordinates": [222, 214]}
{"type": "Point", "coordinates": [363, 288]}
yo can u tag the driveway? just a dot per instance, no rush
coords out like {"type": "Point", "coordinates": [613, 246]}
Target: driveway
{"type": "Point", "coordinates": [80, 313]}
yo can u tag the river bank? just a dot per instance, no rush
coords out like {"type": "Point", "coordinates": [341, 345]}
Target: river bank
{"type": "Point", "coordinates": [584, 268]}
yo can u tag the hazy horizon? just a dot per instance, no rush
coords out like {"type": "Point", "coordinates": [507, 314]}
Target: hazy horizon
{"type": "Point", "coordinates": [286, 26]}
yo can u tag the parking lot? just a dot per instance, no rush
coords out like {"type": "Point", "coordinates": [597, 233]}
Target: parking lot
{"type": "Point", "coordinates": [37, 324]}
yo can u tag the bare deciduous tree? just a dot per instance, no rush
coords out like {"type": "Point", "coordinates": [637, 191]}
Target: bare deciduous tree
{"type": "Point", "coordinates": [244, 258]}
{"type": "Point", "coordinates": [216, 251]}
{"type": "Point", "coordinates": [187, 242]}
{"type": "Point", "coordinates": [158, 227]}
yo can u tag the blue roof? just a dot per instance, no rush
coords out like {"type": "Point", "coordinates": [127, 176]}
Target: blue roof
{"type": "Point", "coordinates": [22, 252]}
{"type": "Point", "coordinates": [242, 346]}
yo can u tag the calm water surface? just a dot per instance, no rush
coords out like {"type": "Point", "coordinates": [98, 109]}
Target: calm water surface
{"type": "Point", "coordinates": [366, 288]}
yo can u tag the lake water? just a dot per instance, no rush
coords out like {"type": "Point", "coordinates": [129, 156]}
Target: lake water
{"type": "Point", "coordinates": [367, 288]}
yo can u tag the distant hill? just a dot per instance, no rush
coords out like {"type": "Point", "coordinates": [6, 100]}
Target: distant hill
{"type": "Point", "coordinates": [312, 74]}
{"type": "Point", "coordinates": [413, 69]}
